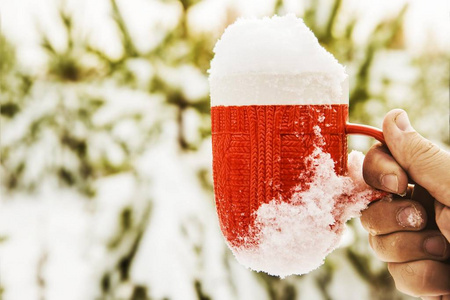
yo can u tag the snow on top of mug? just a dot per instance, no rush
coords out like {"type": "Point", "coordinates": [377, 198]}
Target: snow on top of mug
{"type": "Point", "coordinates": [274, 61]}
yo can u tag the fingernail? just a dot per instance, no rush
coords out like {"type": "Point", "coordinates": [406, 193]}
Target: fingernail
{"type": "Point", "coordinates": [435, 245]}
{"type": "Point", "coordinates": [409, 217]}
{"type": "Point", "coordinates": [390, 182]}
{"type": "Point", "coordinates": [402, 122]}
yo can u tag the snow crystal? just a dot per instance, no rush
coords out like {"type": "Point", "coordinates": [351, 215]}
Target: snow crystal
{"type": "Point", "coordinates": [274, 60]}
{"type": "Point", "coordinates": [295, 235]}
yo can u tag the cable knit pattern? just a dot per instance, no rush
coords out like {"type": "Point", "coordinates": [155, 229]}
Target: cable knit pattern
{"type": "Point", "coordinates": [258, 156]}
{"type": "Point", "coordinates": [261, 125]}
{"type": "Point", "coordinates": [268, 182]}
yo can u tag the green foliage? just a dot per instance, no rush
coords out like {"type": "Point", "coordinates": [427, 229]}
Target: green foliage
{"type": "Point", "coordinates": [14, 85]}
{"type": "Point", "coordinates": [76, 94]}
{"type": "Point", "coordinates": [73, 107]}
{"type": "Point", "coordinates": [7, 53]}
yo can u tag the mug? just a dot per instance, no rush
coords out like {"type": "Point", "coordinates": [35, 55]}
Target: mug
{"type": "Point", "coordinates": [259, 151]}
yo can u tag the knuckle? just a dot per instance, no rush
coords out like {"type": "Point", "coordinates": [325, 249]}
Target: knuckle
{"type": "Point", "coordinates": [413, 282]}
{"type": "Point", "coordinates": [371, 165]}
{"type": "Point", "coordinates": [403, 275]}
{"type": "Point", "coordinates": [368, 169]}
{"type": "Point", "coordinates": [422, 277]}
{"type": "Point", "coordinates": [366, 172]}
{"type": "Point", "coordinates": [417, 278]}
{"type": "Point", "coordinates": [367, 221]}
{"type": "Point", "coordinates": [421, 151]}
{"type": "Point", "coordinates": [379, 247]}
{"type": "Point", "coordinates": [376, 218]}
{"type": "Point", "coordinates": [398, 246]}
{"type": "Point", "coordinates": [425, 277]}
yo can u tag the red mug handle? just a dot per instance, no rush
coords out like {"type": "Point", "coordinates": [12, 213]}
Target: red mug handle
{"type": "Point", "coordinates": [374, 132]}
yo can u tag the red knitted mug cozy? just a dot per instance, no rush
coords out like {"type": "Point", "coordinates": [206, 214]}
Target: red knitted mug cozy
{"type": "Point", "coordinates": [260, 154]}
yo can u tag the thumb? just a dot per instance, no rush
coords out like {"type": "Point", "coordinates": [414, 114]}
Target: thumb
{"type": "Point", "coordinates": [426, 163]}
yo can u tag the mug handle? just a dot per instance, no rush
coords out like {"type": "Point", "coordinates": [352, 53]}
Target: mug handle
{"type": "Point", "coordinates": [374, 132]}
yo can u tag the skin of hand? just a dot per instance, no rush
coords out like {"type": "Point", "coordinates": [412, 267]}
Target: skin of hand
{"type": "Point", "coordinates": [411, 232]}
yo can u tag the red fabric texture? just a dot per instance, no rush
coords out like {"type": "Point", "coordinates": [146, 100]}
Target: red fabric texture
{"type": "Point", "coordinates": [259, 154]}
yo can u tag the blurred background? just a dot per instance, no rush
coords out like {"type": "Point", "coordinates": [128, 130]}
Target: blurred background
{"type": "Point", "coordinates": [106, 185]}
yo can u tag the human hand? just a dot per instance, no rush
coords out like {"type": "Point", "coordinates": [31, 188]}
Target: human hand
{"type": "Point", "coordinates": [411, 233]}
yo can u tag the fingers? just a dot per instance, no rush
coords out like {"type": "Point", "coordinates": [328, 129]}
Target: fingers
{"type": "Point", "coordinates": [444, 297]}
{"type": "Point", "coordinates": [381, 171]}
{"type": "Point", "coordinates": [425, 162]}
{"type": "Point", "coordinates": [434, 297]}
{"type": "Point", "coordinates": [385, 217]}
{"type": "Point", "coordinates": [410, 246]}
{"type": "Point", "coordinates": [421, 278]}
